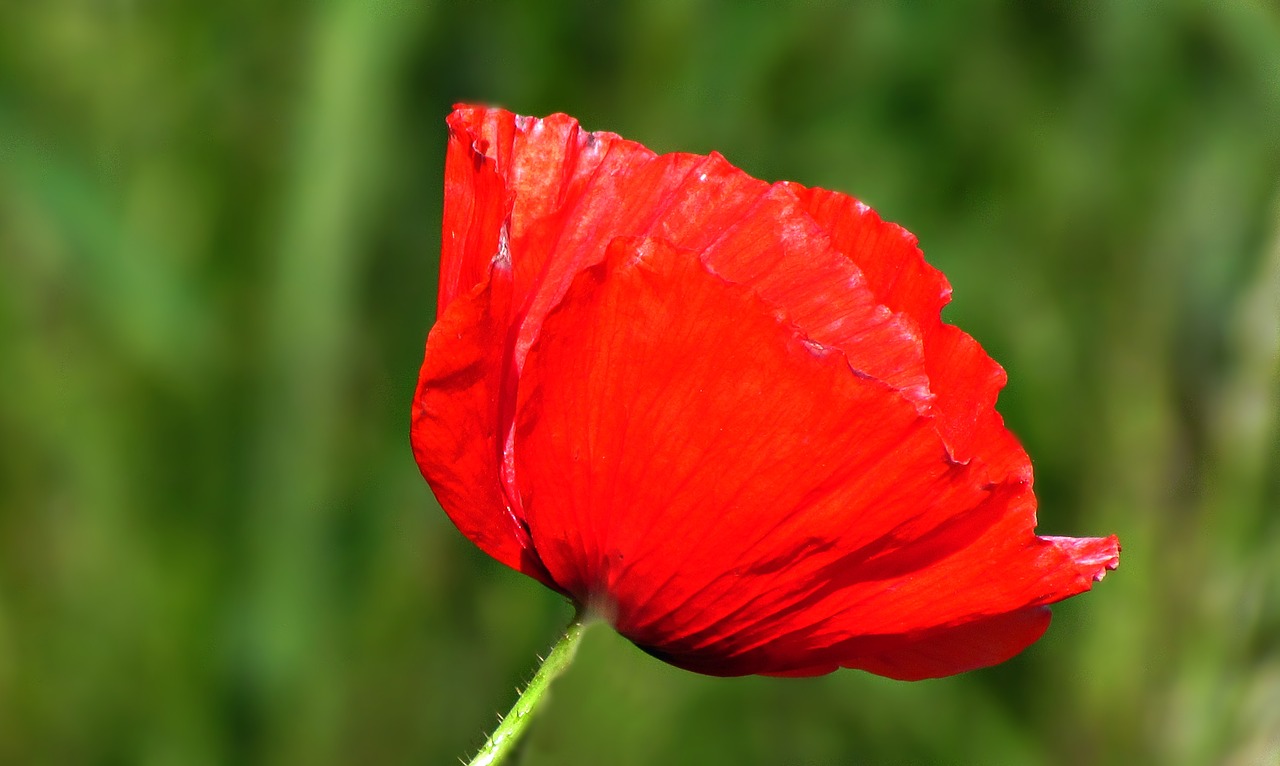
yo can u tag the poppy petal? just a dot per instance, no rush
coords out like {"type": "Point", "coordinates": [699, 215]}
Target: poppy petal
{"type": "Point", "coordinates": [779, 251]}
{"type": "Point", "coordinates": [454, 431]}
{"type": "Point", "coordinates": [1005, 570]}
{"type": "Point", "coordinates": [655, 367]}
{"type": "Point", "coordinates": [964, 380]}
{"type": "Point", "coordinates": [652, 376]}
{"type": "Point", "coordinates": [942, 651]}
{"type": "Point", "coordinates": [552, 182]}
{"type": "Point", "coordinates": [887, 254]}
{"type": "Point", "coordinates": [573, 191]}
{"type": "Point", "coordinates": [476, 206]}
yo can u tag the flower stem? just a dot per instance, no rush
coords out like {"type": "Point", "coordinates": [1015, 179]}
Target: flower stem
{"type": "Point", "coordinates": [504, 738]}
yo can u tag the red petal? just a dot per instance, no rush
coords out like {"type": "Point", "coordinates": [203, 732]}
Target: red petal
{"type": "Point", "coordinates": [696, 468]}
{"type": "Point", "coordinates": [575, 191]}
{"type": "Point", "coordinates": [941, 651]}
{"type": "Point", "coordinates": [886, 253]}
{"type": "Point", "coordinates": [558, 193]}
{"type": "Point", "coordinates": [669, 418]}
{"type": "Point", "coordinates": [974, 590]}
{"type": "Point", "coordinates": [964, 380]}
{"type": "Point", "coordinates": [476, 203]}
{"type": "Point", "coordinates": [781, 253]}
{"type": "Point", "coordinates": [455, 432]}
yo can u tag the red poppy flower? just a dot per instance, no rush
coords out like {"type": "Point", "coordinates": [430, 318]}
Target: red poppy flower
{"type": "Point", "coordinates": [724, 414]}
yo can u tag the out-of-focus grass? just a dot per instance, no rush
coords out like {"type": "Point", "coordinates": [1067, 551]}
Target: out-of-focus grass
{"type": "Point", "coordinates": [218, 231]}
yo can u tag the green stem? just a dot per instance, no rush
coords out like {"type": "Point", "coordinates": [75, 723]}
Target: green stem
{"type": "Point", "coordinates": [504, 738]}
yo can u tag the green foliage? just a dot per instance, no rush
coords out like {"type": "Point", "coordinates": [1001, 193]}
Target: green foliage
{"type": "Point", "coordinates": [218, 233]}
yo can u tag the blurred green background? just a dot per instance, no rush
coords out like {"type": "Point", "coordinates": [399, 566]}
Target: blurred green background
{"type": "Point", "coordinates": [219, 227]}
